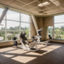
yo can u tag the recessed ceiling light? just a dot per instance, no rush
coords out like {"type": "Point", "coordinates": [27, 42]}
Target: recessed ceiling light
{"type": "Point", "coordinates": [43, 4]}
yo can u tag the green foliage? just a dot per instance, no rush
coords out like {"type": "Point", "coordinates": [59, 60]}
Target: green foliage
{"type": "Point", "coordinates": [59, 33]}
{"type": "Point", "coordinates": [11, 34]}
{"type": "Point", "coordinates": [2, 34]}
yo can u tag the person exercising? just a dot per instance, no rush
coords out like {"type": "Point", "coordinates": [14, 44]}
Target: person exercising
{"type": "Point", "coordinates": [23, 37]}
{"type": "Point", "coordinates": [30, 44]}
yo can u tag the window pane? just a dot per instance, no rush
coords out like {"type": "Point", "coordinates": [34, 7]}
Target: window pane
{"type": "Point", "coordinates": [59, 19]}
{"type": "Point", "coordinates": [17, 34]}
{"type": "Point", "coordinates": [10, 35]}
{"type": "Point", "coordinates": [59, 31]}
{"type": "Point", "coordinates": [25, 27]}
{"type": "Point", "coordinates": [2, 35]}
{"type": "Point", "coordinates": [13, 15]}
{"type": "Point", "coordinates": [2, 25]}
{"type": "Point", "coordinates": [50, 30]}
{"type": "Point", "coordinates": [25, 18]}
{"type": "Point", "coordinates": [59, 25]}
{"type": "Point", "coordinates": [11, 25]}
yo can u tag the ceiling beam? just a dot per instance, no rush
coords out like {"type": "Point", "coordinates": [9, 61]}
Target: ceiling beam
{"type": "Point", "coordinates": [30, 3]}
{"type": "Point", "coordinates": [55, 2]}
{"type": "Point", "coordinates": [15, 8]}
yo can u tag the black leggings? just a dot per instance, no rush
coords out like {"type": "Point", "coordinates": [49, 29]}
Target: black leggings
{"type": "Point", "coordinates": [24, 41]}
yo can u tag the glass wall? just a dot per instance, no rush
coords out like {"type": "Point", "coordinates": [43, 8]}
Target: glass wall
{"type": "Point", "coordinates": [59, 27]}
{"type": "Point", "coordinates": [13, 23]}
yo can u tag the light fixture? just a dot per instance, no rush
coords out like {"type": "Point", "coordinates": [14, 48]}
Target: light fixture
{"type": "Point", "coordinates": [43, 4]}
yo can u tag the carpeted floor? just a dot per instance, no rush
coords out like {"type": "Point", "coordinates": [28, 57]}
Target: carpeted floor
{"type": "Point", "coordinates": [51, 54]}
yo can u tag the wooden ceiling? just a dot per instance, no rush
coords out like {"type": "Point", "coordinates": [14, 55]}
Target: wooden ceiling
{"type": "Point", "coordinates": [31, 6]}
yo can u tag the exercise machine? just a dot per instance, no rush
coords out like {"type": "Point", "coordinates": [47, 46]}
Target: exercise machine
{"type": "Point", "coordinates": [30, 46]}
{"type": "Point", "coordinates": [38, 36]}
{"type": "Point", "coordinates": [26, 44]}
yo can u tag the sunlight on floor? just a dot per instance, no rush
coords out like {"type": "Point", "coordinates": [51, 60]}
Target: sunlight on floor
{"type": "Point", "coordinates": [34, 53]}
{"type": "Point", "coordinates": [46, 49]}
{"type": "Point", "coordinates": [6, 49]}
{"type": "Point", "coordinates": [17, 51]}
{"type": "Point", "coordinates": [26, 56]}
{"type": "Point", "coordinates": [9, 56]}
{"type": "Point", "coordinates": [50, 48]}
{"type": "Point", "coordinates": [23, 59]}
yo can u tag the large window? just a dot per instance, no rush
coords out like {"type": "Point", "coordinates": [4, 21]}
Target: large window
{"type": "Point", "coordinates": [13, 24]}
{"type": "Point", "coordinates": [59, 27]}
